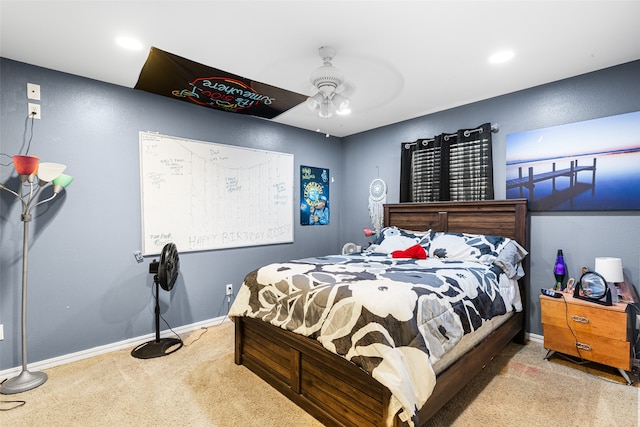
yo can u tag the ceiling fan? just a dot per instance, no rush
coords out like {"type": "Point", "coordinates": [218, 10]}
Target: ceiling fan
{"type": "Point", "coordinates": [329, 81]}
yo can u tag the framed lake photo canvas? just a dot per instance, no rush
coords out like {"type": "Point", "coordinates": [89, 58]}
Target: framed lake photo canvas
{"type": "Point", "coordinates": [585, 166]}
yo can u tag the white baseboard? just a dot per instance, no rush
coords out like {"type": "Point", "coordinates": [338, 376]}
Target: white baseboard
{"type": "Point", "coordinates": [130, 343]}
{"type": "Point", "coordinates": [133, 342]}
{"type": "Point", "coordinates": [535, 338]}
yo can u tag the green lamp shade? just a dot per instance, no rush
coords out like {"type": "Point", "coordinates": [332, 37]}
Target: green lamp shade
{"type": "Point", "coordinates": [47, 172]}
{"type": "Point", "coordinates": [63, 180]}
{"type": "Point", "coordinates": [25, 165]}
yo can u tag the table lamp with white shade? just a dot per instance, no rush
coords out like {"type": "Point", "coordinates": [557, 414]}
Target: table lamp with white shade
{"type": "Point", "coordinates": [611, 269]}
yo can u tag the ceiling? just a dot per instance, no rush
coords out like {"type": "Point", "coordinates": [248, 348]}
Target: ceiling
{"type": "Point", "coordinates": [401, 59]}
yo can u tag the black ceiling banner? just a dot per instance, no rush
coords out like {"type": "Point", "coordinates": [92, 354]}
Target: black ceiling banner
{"type": "Point", "coordinates": [173, 76]}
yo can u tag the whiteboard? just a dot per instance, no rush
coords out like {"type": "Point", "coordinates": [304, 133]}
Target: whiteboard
{"type": "Point", "coordinates": [201, 195]}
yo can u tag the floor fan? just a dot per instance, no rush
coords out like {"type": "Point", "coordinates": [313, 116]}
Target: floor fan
{"type": "Point", "coordinates": [165, 274]}
{"type": "Point", "coordinates": [350, 248]}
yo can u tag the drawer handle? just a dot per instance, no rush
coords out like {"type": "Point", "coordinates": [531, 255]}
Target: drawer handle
{"type": "Point", "coordinates": [579, 319]}
{"type": "Point", "coordinates": [581, 346]}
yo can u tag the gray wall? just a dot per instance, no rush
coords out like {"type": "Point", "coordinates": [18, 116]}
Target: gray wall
{"type": "Point", "coordinates": [85, 287]}
{"type": "Point", "coordinates": [581, 235]}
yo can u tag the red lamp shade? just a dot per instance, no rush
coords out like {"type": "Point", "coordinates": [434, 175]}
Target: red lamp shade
{"type": "Point", "coordinates": [26, 165]}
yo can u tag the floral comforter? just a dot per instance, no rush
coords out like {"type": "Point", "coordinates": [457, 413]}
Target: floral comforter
{"type": "Point", "coordinates": [391, 317]}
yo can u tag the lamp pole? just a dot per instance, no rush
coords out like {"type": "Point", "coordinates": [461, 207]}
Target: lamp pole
{"type": "Point", "coordinates": [26, 380]}
{"type": "Point", "coordinates": [48, 172]}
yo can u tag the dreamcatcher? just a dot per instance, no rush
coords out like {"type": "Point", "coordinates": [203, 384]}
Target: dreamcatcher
{"type": "Point", "coordinates": [377, 199]}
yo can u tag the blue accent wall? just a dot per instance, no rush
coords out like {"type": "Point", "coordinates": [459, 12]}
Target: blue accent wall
{"type": "Point", "coordinates": [86, 288]}
{"type": "Point", "coordinates": [582, 235]}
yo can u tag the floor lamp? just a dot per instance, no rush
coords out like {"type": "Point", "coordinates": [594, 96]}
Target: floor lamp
{"type": "Point", "coordinates": [34, 176]}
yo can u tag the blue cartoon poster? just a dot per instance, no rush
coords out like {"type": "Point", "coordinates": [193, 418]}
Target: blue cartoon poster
{"type": "Point", "coordinates": [314, 196]}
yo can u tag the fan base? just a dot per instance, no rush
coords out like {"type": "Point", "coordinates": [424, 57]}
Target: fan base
{"type": "Point", "coordinates": [157, 348]}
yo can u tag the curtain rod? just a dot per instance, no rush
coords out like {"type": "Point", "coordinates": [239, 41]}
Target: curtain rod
{"type": "Point", "coordinates": [494, 129]}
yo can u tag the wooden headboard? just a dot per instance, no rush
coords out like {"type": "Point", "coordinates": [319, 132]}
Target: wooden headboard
{"type": "Point", "coordinates": [506, 218]}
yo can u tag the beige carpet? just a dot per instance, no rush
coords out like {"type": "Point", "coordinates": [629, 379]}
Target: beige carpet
{"type": "Point", "coordinates": [521, 388]}
{"type": "Point", "coordinates": [199, 385]}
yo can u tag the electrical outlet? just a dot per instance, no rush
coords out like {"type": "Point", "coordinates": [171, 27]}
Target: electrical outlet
{"type": "Point", "coordinates": [138, 256]}
{"type": "Point", "coordinates": [229, 289]}
{"type": "Point", "coordinates": [34, 111]}
{"type": "Point", "coordinates": [1, 332]}
{"type": "Point", "coordinates": [33, 91]}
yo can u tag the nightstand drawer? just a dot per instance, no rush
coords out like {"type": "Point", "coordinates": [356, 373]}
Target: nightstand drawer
{"type": "Point", "coordinates": [611, 352]}
{"type": "Point", "coordinates": [599, 321]}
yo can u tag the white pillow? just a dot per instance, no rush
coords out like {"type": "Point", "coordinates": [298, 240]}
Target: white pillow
{"type": "Point", "coordinates": [395, 243]}
{"type": "Point", "coordinates": [467, 247]}
{"type": "Point", "coordinates": [396, 239]}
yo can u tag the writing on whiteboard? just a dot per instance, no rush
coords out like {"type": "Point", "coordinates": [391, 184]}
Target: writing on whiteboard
{"type": "Point", "coordinates": [203, 195]}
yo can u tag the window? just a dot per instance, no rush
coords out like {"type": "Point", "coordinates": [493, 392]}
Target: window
{"type": "Point", "coordinates": [448, 167]}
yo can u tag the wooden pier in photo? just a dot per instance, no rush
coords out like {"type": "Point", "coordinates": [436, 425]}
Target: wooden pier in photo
{"type": "Point", "coordinates": [529, 181]}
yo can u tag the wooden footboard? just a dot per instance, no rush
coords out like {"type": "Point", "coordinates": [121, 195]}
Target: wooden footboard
{"type": "Point", "coordinates": [337, 392]}
{"type": "Point", "coordinates": [330, 388]}
{"type": "Point", "coordinates": [334, 390]}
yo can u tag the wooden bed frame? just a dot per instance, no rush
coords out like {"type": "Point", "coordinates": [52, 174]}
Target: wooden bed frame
{"type": "Point", "coordinates": [337, 392]}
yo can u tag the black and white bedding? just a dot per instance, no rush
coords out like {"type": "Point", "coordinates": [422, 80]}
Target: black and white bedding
{"type": "Point", "coordinates": [392, 316]}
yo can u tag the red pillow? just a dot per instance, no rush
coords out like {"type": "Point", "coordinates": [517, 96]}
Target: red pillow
{"type": "Point", "coordinates": [415, 251]}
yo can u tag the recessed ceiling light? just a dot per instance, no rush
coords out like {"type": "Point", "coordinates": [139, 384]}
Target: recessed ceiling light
{"type": "Point", "coordinates": [500, 57]}
{"type": "Point", "coordinates": [129, 43]}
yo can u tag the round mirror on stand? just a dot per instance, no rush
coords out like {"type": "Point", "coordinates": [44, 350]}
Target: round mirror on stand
{"type": "Point", "coordinates": [593, 287]}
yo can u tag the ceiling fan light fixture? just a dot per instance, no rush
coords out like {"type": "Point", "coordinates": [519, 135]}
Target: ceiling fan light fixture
{"type": "Point", "coordinates": [327, 80]}
{"type": "Point", "coordinates": [326, 109]}
{"type": "Point", "coordinates": [341, 103]}
{"type": "Point", "coordinates": [313, 102]}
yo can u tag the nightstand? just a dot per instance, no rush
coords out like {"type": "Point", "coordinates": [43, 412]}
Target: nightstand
{"type": "Point", "coordinates": [590, 331]}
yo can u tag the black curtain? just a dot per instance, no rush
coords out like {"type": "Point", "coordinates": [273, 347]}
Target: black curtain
{"type": "Point", "coordinates": [448, 167]}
